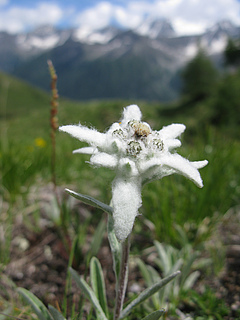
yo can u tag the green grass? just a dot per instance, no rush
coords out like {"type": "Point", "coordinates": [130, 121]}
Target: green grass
{"type": "Point", "coordinates": [25, 157]}
{"type": "Point", "coordinates": [173, 200]}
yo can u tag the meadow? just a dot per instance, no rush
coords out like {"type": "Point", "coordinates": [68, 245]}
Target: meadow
{"type": "Point", "coordinates": [178, 221]}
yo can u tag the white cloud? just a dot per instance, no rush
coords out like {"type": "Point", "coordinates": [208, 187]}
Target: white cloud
{"type": "Point", "coordinates": [16, 19]}
{"type": "Point", "coordinates": [127, 18]}
{"type": "Point", "coordinates": [96, 17]}
{"type": "Point", "coordinates": [191, 16]}
{"type": "Point", "coordinates": [187, 16]}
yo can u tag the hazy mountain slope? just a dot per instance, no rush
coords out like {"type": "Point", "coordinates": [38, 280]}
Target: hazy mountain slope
{"type": "Point", "coordinates": [111, 63]}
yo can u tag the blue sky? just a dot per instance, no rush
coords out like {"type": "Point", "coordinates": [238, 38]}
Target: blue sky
{"type": "Point", "coordinates": [187, 16]}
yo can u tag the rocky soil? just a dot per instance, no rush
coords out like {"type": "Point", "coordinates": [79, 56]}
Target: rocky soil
{"type": "Point", "coordinates": [39, 263]}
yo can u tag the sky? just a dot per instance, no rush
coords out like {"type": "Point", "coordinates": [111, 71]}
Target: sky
{"type": "Point", "coordinates": [187, 16]}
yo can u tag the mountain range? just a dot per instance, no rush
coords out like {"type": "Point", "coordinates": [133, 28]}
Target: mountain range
{"type": "Point", "coordinates": [143, 63]}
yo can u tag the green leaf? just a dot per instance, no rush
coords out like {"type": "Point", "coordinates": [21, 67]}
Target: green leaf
{"type": "Point", "coordinates": [115, 247]}
{"type": "Point", "coordinates": [89, 293]}
{"type": "Point", "coordinates": [55, 313]}
{"type": "Point", "coordinates": [145, 272]}
{"type": "Point", "coordinates": [147, 294]}
{"type": "Point", "coordinates": [151, 276]}
{"type": "Point", "coordinates": [164, 258]}
{"type": "Point", "coordinates": [97, 240]}
{"type": "Point", "coordinates": [98, 284]}
{"type": "Point", "coordinates": [190, 280]}
{"type": "Point", "coordinates": [91, 201]}
{"type": "Point", "coordinates": [155, 315]}
{"type": "Point", "coordinates": [187, 267]}
{"type": "Point", "coordinates": [39, 308]}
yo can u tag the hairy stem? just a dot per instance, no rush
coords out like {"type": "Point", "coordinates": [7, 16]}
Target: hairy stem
{"type": "Point", "coordinates": [123, 278]}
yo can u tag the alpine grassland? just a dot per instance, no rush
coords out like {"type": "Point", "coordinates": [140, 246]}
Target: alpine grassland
{"type": "Point", "coordinates": [174, 211]}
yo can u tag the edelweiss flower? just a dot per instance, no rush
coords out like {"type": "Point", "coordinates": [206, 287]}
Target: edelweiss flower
{"type": "Point", "coordinates": [139, 155]}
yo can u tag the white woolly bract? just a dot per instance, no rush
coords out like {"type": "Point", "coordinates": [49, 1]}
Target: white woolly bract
{"type": "Point", "coordinates": [86, 150]}
{"type": "Point", "coordinates": [172, 131]}
{"type": "Point", "coordinates": [199, 164]}
{"type": "Point", "coordinates": [183, 167]}
{"type": "Point", "coordinates": [104, 159]}
{"type": "Point", "coordinates": [131, 112]}
{"type": "Point", "coordinates": [126, 200]}
{"type": "Point", "coordinates": [172, 144]}
{"type": "Point", "coordinates": [85, 134]}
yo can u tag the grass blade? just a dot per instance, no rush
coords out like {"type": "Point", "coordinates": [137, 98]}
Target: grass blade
{"type": "Point", "coordinates": [145, 272]}
{"type": "Point", "coordinates": [89, 293]}
{"type": "Point", "coordinates": [147, 294]}
{"type": "Point", "coordinates": [190, 280]}
{"type": "Point", "coordinates": [164, 257]}
{"type": "Point", "coordinates": [98, 284]}
{"type": "Point", "coordinates": [186, 270]}
{"type": "Point", "coordinates": [91, 201]}
{"type": "Point", "coordinates": [155, 315]}
{"type": "Point", "coordinates": [97, 240]}
{"type": "Point", "coordinates": [55, 313]}
{"type": "Point", "coordinates": [39, 308]}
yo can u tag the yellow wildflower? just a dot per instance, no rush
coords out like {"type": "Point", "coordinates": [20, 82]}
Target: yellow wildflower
{"type": "Point", "coordinates": [40, 142]}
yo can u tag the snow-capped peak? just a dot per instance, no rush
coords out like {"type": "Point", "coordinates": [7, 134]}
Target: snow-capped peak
{"type": "Point", "coordinates": [215, 38]}
{"type": "Point", "coordinates": [222, 26]}
{"type": "Point", "coordinates": [43, 38]}
{"type": "Point", "coordinates": [155, 28]}
{"type": "Point", "coordinates": [90, 36]}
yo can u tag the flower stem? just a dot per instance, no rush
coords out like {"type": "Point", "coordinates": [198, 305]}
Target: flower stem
{"type": "Point", "coordinates": [123, 278]}
{"type": "Point", "coordinates": [53, 119]}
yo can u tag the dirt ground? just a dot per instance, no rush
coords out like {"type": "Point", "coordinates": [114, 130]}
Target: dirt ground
{"type": "Point", "coordinates": [39, 263]}
{"type": "Point", "coordinates": [229, 283]}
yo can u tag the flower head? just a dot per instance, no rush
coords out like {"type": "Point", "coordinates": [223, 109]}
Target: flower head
{"type": "Point", "coordinates": [139, 155]}
{"type": "Point", "coordinates": [40, 142]}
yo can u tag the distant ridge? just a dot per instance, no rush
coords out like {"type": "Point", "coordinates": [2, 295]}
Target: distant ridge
{"type": "Point", "coordinates": [143, 63]}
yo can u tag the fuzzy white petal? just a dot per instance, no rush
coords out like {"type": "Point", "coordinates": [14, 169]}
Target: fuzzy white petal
{"type": "Point", "coordinates": [102, 159]}
{"type": "Point", "coordinates": [131, 112]}
{"type": "Point", "coordinates": [114, 126]}
{"type": "Point", "coordinates": [146, 165]}
{"type": "Point", "coordinates": [172, 143]}
{"type": "Point", "coordinates": [152, 170]}
{"type": "Point", "coordinates": [183, 167]}
{"type": "Point", "coordinates": [199, 164]}
{"type": "Point", "coordinates": [86, 150]}
{"type": "Point", "coordinates": [126, 200]}
{"type": "Point", "coordinates": [172, 131]}
{"type": "Point", "coordinates": [85, 134]}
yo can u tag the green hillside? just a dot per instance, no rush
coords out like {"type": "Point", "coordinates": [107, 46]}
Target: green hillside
{"type": "Point", "coordinates": [18, 96]}
{"type": "Point", "coordinates": [25, 122]}
{"type": "Point", "coordinates": [174, 210]}
{"type": "Point", "coordinates": [25, 109]}
{"type": "Point", "coordinates": [22, 108]}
